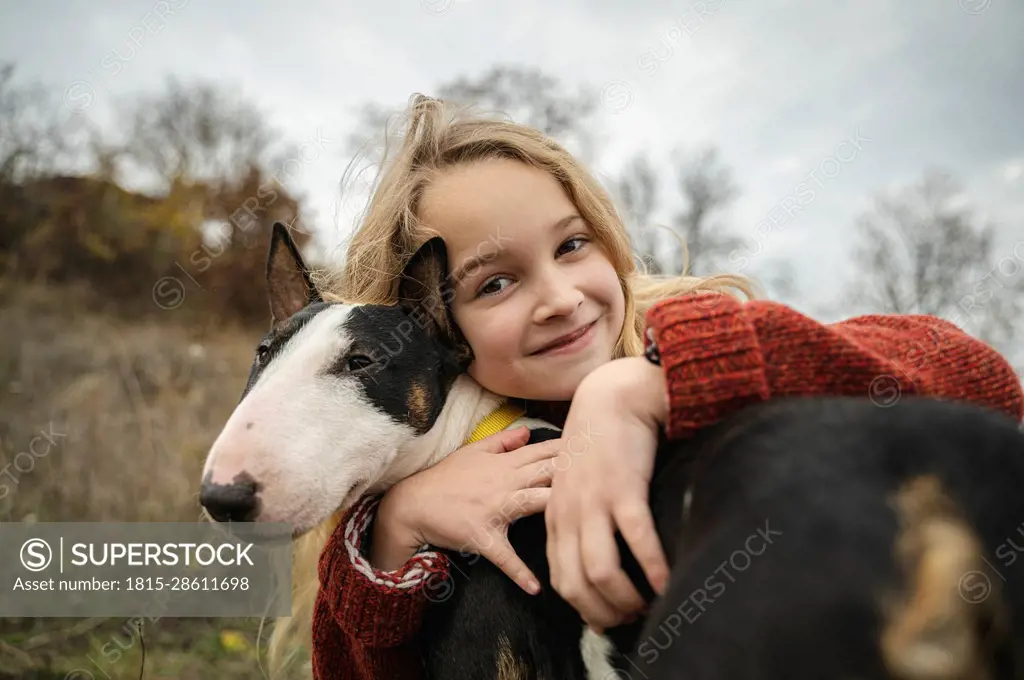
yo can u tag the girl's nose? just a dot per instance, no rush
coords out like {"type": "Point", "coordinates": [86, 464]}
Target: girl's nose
{"type": "Point", "coordinates": [556, 301]}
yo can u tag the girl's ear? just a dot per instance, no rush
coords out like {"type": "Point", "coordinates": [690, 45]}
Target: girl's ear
{"type": "Point", "coordinates": [425, 292]}
{"type": "Point", "coordinates": [288, 285]}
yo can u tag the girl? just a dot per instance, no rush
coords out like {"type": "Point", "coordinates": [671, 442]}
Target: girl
{"type": "Point", "coordinates": [549, 298]}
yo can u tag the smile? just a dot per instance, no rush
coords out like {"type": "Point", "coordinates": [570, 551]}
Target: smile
{"type": "Point", "coordinates": [571, 343]}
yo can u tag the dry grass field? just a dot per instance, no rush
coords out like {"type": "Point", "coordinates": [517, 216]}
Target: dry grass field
{"type": "Point", "coordinates": [131, 406]}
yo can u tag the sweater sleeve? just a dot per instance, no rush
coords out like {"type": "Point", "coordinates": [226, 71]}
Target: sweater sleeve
{"type": "Point", "coordinates": [720, 354]}
{"type": "Point", "coordinates": [365, 621]}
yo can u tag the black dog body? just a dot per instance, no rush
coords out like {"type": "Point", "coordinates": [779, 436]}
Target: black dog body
{"type": "Point", "coordinates": [481, 624]}
{"type": "Point", "coordinates": [798, 558]}
{"type": "Point", "coordinates": [786, 562]}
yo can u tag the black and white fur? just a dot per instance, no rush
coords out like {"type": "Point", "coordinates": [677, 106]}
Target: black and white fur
{"type": "Point", "coordinates": [341, 400]}
{"type": "Point", "coordinates": [882, 511]}
{"type": "Point", "coordinates": [344, 400]}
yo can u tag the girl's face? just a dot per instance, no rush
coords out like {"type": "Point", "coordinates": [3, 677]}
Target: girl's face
{"type": "Point", "coordinates": [536, 296]}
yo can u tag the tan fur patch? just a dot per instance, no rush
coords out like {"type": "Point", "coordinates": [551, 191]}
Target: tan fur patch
{"type": "Point", "coordinates": [509, 667]}
{"type": "Point", "coordinates": [419, 405]}
{"type": "Point", "coordinates": [934, 628]}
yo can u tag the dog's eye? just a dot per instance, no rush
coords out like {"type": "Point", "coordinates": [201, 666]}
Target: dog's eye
{"type": "Point", "coordinates": [359, 361]}
{"type": "Point", "coordinates": [262, 355]}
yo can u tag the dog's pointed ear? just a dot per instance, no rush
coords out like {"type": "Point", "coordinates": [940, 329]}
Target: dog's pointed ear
{"type": "Point", "coordinates": [289, 287]}
{"type": "Point", "coordinates": [425, 292]}
{"type": "Point", "coordinates": [423, 289]}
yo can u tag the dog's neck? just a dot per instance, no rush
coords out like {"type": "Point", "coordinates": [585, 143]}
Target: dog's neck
{"type": "Point", "coordinates": [467, 404]}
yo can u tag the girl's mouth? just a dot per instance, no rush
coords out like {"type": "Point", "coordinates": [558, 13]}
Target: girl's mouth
{"type": "Point", "coordinates": [570, 343]}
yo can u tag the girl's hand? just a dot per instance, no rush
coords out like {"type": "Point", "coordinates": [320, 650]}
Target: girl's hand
{"type": "Point", "coordinates": [600, 484]}
{"type": "Point", "coordinates": [466, 503]}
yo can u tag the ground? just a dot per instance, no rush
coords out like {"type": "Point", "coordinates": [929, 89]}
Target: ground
{"type": "Point", "coordinates": [131, 406]}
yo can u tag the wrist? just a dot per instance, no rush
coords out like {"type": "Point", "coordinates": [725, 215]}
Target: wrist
{"type": "Point", "coordinates": [642, 389]}
{"type": "Point", "coordinates": [395, 539]}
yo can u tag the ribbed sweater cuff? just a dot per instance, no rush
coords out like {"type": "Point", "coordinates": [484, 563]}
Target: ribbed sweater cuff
{"type": "Point", "coordinates": [712, 361]}
{"type": "Point", "coordinates": [377, 608]}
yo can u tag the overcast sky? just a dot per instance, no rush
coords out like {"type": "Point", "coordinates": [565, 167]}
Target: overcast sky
{"type": "Point", "coordinates": [777, 86]}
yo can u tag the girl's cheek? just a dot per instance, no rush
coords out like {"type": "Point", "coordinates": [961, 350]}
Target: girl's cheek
{"type": "Point", "coordinates": [502, 346]}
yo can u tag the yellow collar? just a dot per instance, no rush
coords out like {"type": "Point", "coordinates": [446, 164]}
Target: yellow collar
{"type": "Point", "coordinates": [496, 421]}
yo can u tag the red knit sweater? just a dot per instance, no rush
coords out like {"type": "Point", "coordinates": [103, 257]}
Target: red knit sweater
{"type": "Point", "coordinates": [719, 354]}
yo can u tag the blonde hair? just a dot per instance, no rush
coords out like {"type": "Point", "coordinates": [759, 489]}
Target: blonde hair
{"type": "Point", "coordinates": [438, 136]}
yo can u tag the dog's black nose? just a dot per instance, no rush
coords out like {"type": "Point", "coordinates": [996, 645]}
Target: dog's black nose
{"type": "Point", "coordinates": [230, 502]}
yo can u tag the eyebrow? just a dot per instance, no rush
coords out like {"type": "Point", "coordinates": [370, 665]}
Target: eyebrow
{"type": "Point", "coordinates": [478, 260]}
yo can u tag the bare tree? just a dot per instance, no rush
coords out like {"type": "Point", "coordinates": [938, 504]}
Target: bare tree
{"type": "Point", "coordinates": [35, 131]}
{"type": "Point", "coordinates": [706, 187]}
{"type": "Point", "coordinates": [530, 97]}
{"type": "Point", "coordinates": [637, 190]}
{"type": "Point", "coordinates": [18, 139]}
{"type": "Point", "coordinates": [214, 157]}
{"type": "Point", "coordinates": [200, 134]}
{"type": "Point", "coordinates": [779, 279]}
{"type": "Point", "coordinates": [694, 238]}
{"type": "Point", "coordinates": [38, 138]}
{"type": "Point", "coordinates": [524, 94]}
{"type": "Point", "coordinates": [923, 251]}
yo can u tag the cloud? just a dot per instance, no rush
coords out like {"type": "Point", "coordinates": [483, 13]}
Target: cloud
{"type": "Point", "coordinates": [1013, 170]}
{"type": "Point", "coordinates": [776, 87]}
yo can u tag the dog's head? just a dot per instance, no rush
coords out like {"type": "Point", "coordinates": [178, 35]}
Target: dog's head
{"type": "Point", "coordinates": [335, 391]}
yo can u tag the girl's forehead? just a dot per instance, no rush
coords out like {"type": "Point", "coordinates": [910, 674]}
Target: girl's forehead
{"type": "Point", "coordinates": [486, 204]}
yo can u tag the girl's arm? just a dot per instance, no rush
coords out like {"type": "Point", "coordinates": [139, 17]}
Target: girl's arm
{"type": "Point", "coordinates": [720, 354]}
{"type": "Point", "coordinates": [365, 621]}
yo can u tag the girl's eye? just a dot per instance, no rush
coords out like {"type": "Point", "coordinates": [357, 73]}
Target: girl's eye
{"type": "Point", "coordinates": [490, 288]}
{"type": "Point", "coordinates": [493, 287]}
{"type": "Point", "coordinates": [579, 240]}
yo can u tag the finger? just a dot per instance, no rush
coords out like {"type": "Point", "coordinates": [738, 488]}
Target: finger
{"type": "Point", "coordinates": [528, 502]}
{"type": "Point", "coordinates": [505, 440]}
{"type": "Point", "coordinates": [603, 569]}
{"type": "Point", "coordinates": [504, 557]}
{"type": "Point", "coordinates": [574, 588]}
{"type": "Point", "coordinates": [546, 450]}
{"type": "Point", "coordinates": [536, 474]}
{"type": "Point", "coordinates": [636, 524]}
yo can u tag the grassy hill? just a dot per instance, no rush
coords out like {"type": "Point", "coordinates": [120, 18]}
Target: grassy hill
{"type": "Point", "coordinates": [132, 407]}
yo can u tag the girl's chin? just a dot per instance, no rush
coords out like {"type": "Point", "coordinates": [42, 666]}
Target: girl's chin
{"type": "Point", "coordinates": [550, 391]}
{"type": "Point", "coordinates": [530, 392]}
{"type": "Point", "coordinates": [537, 385]}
